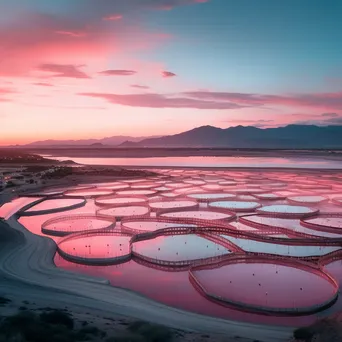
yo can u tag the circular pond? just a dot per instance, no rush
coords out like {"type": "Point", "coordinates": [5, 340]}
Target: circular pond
{"type": "Point", "coordinates": [124, 211]}
{"type": "Point", "coordinates": [88, 193]}
{"type": "Point", "coordinates": [69, 224]}
{"type": "Point", "coordinates": [307, 199]}
{"type": "Point", "coordinates": [211, 196]}
{"type": "Point", "coordinates": [329, 222]}
{"type": "Point", "coordinates": [267, 285]}
{"type": "Point", "coordinates": [284, 210]}
{"type": "Point", "coordinates": [116, 200]}
{"type": "Point", "coordinates": [136, 226]}
{"type": "Point", "coordinates": [138, 192]}
{"type": "Point", "coordinates": [199, 214]}
{"type": "Point", "coordinates": [237, 206]}
{"type": "Point", "coordinates": [177, 249]}
{"type": "Point", "coordinates": [165, 205]}
{"type": "Point", "coordinates": [96, 249]}
{"type": "Point", "coordinates": [270, 197]}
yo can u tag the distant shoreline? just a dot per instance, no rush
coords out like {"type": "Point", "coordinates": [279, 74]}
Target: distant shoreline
{"type": "Point", "coordinates": [185, 152]}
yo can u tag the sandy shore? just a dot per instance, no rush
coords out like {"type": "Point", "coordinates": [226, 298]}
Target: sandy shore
{"type": "Point", "coordinates": [27, 272]}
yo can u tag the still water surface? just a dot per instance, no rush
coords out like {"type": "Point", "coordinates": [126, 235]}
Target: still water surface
{"type": "Point", "coordinates": [200, 161]}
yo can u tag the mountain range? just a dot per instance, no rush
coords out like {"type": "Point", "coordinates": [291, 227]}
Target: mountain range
{"type": "Point", "coordinates": [291, 136]}
{"type": "Point", "coordinates": [110, 141]}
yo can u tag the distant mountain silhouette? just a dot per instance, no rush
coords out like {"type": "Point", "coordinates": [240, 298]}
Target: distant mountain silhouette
{"type": "Point", "coordinates": [291, 136]}
{"type": "Point", "coordinates": [110, 141]}
{"type": "Point", "coordinates": [128, 143]}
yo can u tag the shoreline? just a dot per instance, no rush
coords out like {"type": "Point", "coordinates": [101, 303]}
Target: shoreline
{"type": "Point", "coordinates": [202, 168]}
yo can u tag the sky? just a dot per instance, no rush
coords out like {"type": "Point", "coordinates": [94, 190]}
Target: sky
{"type": "Point", "coordinates": [74, 69]}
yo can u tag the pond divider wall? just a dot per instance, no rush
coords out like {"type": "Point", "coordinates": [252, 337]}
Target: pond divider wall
{"type": "Point", "coordinates": [24, 212]}
{"type": "Point", "coordinates": [54, 232]}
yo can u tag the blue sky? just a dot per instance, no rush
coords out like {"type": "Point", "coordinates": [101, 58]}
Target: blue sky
{"type": "Point", "coordinates": [136, 67]}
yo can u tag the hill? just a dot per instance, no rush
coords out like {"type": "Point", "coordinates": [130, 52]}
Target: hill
{"type": "Point", "coordinates": [291, 136]}
{"type": "Point", "coordinates": [288, 137]}
{"type": "Point", "coordinates": [108, 141]}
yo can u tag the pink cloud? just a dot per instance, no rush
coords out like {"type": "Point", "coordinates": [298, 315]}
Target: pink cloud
{"type": "Point", "coordinates": [168, 74]}
{"type": "Point", "coordinates": [4, 92]}
{"type": "Point", "coordinates": [36, 38]}
{"type": "Point", "coordinates": [43, 84]}
{"type": "Point", "coordinates": [167, 5]}
{"type": "Point", "coordinates": [225, 100]}
{"type": "Point", "coordinates": [322, 119]}
{"type": "Point", "coordinates": [117, 72]}
{"type": "Point", "coordinates": [330, 115]}
{"type": "Point", "coordinates": [139, 86]}
{"type": "Point", "coordinates": [60, 70]}
{"type": "Point", "coordinates": [71, 33]}
{"type": "Point", "coordinates": [160, 101]}
{"type": "Point", "coordinates": [318, 100]}
{"type": "Point", "coordinates": [113, 17]}
{"type": "Point", "coordinates": [260, 123]}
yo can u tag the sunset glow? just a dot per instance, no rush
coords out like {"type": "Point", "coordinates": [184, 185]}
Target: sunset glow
{"type": "Point", "coordinates": [96, 68]}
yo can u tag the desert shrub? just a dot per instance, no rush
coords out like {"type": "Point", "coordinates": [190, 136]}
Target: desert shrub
{"type": "Point", "coordinates": [21, 320]}
{"type": "Point", "coordinates": [20, 324]}
{"type": "Point", "coordinates": [128, 337]}
{"type": "Point", "coordinates": [57, 317]}
{"type": "Point", "coordinates": [4, 300]}
{"type": "Point", "coordinates": [304, 334]}
{"type": "Point", "coordinates": [151, 332]}
{"type": "Point", "coordinates": [90, 330]}
{"type": "Point", "coordinates": [13, 338]}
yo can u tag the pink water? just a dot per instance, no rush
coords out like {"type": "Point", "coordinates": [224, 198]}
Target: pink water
{"type": "Point", "coordinates": [266, 285]}
{"type": "Point", "coordinates": [199, 161]}
{"type": "Point", "coordinates": [174, 288]}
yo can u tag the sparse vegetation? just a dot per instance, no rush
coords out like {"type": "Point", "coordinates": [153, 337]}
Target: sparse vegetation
{"type": "Point", "coordinates": [326, 329]}
{"type": "Point", "coordinates": [39, 328]}
{"type": "Point", "coordinates": [10, 184]}
{"type": "Point", "coordinates": [91, 331]}
{"type": "Point", "coordinates": [151, 332]}
{"type": "Point", "coordinates": [59, 172]}
{"type": "Point", "coordinates": [58, 326]}
{"type": "Point", "coordinates": [126, 338]}
{"type": "Point", "coordinates": [304, 334]}
{"type": "Point", "coordinates": [57, 317]}
{"type": "Point", "coordinates": [13, 156]}
{"type": "Point", "coordinates": [4, 301]}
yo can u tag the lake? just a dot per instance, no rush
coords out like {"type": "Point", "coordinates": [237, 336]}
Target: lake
{"type": "Point", "coordinates": [210, 162]}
